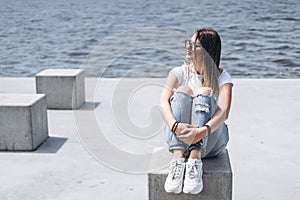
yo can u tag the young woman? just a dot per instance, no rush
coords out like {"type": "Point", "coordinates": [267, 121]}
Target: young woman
{"type": "Point", "coordinates": [195, 103]}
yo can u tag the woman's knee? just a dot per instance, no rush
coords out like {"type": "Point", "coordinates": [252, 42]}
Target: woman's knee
{"type": "Point", "coordinates": [204, 90]}
{"type": "Point", "coordinates": [185, 89]}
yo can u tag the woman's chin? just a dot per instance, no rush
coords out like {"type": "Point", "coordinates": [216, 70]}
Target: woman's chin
{"type": "Point", "coordinates": [189, 57]}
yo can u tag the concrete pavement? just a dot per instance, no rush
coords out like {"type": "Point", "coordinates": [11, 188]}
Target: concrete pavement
{"type": "Point", "coordinates": [74, 162]}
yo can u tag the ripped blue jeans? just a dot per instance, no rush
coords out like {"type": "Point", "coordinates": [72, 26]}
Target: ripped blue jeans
{"type": "Point", "coordinates": [197, 110]}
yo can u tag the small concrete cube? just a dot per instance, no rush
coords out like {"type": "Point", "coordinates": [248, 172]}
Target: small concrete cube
{"type": "Point", "coordinates": [64, 87]}
{"type": "Point", "coordinates": [217, 181]}
{"type": "Point", "coordinates": [23, 124]}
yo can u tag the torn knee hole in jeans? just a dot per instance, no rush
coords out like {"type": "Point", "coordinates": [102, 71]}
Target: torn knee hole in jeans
{"type": "Point", "coordinates": [202, 107]}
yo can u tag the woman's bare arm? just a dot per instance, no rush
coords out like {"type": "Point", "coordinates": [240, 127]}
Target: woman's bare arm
{"type": "Point", "coordinates": [224, 103]}
{"type": "Point", "coordinates": [167, 92]}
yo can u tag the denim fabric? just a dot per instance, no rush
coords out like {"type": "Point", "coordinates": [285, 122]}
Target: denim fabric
{"type": "Point", "coordinates": [197, 110]}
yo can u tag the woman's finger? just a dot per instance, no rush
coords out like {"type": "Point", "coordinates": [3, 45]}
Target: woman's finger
{"type": "Point", "coordinates": [192, 126]}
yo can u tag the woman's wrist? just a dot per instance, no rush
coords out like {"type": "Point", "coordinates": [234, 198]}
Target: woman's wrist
{"type": "Point", "coordinates": [171, 123]}
{"type": "Point", "coordinates": [208, 129]}
{"type": "Point", "coordinates": [174, 126]}
{"type": "Point", "coordinates": [202, 132]}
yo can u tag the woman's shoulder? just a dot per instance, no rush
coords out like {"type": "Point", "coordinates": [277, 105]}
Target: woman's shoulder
{"type": "Point", "coordinates": [180, 73]}
{"type": "Point", "coordinates": [179, 70]}
{"type": "Point", "coordinates": [224, 73]}
{"type": "Point", "coordinates": [224, 78]}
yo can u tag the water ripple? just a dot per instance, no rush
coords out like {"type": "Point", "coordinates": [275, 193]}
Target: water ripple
{"type": "Point", "coordinates": [261, 39]}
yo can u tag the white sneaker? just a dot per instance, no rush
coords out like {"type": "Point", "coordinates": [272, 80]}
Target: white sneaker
{"type": "Point", "coordinates": [193, 177]}
{"type": "Point", "coordinates": [174, 180]}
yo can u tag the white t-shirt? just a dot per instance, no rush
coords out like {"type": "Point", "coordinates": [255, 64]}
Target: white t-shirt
{"type": "Point", "coordinates": [195, 80]}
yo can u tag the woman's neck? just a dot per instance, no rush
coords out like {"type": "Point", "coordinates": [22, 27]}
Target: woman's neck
{"type": "Point", "coordinates": [198, 70]}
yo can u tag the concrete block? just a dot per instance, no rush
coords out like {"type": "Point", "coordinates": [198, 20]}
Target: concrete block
{"type": "Point", "coordinates": [64, 87]}
{"type": "Point", "coordinates": [23, 124]}
{"type": "Point", "coordinates": [217, 180]}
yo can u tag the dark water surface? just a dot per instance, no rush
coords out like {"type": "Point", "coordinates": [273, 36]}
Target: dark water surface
{"type": "Point", "coordinates": [261, 39]}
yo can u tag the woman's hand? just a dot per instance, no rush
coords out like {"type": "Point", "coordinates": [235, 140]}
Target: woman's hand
{"type": "Point", "coordinates": [183, 128]}
{"type": "Point", "coordinates": [193, 135]}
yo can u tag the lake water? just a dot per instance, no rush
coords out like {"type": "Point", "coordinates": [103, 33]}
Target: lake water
{"type": "Point", "coordinates": [260, 39]}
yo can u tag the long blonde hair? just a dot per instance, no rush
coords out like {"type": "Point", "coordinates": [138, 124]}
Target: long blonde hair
{"type": "Point", "coordinates": [211, 45]}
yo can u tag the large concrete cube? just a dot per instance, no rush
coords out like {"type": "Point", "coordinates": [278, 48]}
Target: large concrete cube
{"type": "Point", "coordinates": [23, 124]}
{"type": "Point", "coordinates": [64, 87]}
{"type": "Point", "coordinates": [217, 181]}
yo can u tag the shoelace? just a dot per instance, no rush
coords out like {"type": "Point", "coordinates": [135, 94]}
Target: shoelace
{"type": "Point", "coordinates": [192, 170]}
{"type": "Point", "coordinates": [176, 170]}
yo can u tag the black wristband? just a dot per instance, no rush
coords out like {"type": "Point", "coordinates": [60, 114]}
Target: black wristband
{"type": "Point", "coordinates": [208, 129]}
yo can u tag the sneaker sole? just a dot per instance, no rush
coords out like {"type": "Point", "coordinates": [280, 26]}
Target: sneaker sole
{"type": "Point", "coordinates": [194, 191]}
{"type": "Point", "coordinates": [178, 191]}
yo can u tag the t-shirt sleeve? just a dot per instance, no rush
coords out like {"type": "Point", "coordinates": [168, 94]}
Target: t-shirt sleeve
{"type": "Point", "coordinates": [225, 78]}
{"type": "Point", "coordinates": [179, 73]}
